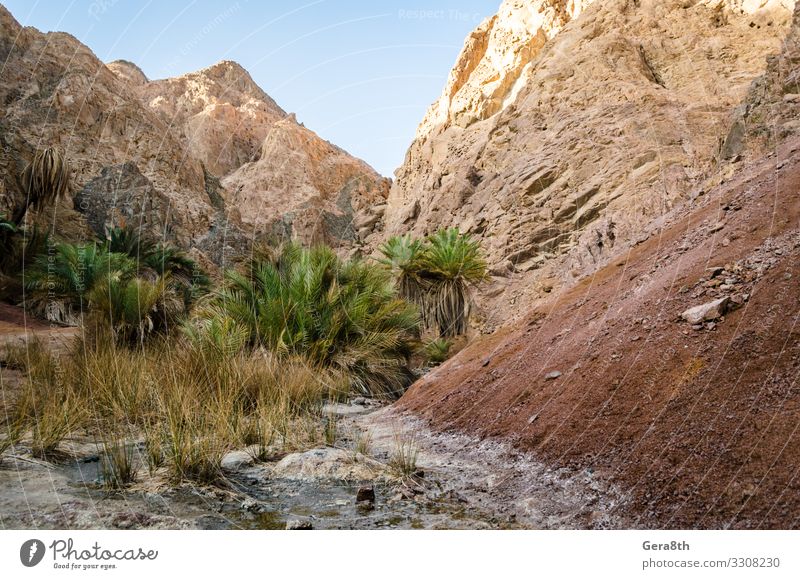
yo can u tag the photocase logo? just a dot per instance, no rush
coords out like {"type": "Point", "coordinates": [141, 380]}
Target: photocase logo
{"type": "Point", "coordinates": [31, 553]}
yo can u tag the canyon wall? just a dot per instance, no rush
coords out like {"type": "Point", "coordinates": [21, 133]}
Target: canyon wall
{"type": "Point", "coordinates": [566, 127]}
{"type": "Point", "coordinates": [207, 159]}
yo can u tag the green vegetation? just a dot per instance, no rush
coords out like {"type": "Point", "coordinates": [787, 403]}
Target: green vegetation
{"type": "Point", "coordinates": [343, 316]}
{"type": "Point", "coordinates": [437, 350]}
{"type": "Point", "coordinates": [59, 281]}
{"type": "Point", "coordinates": [131, 287]}
{"type": "Point", "coordinates": [436, 274]}
{"type": "Point", "coordinates": [254, 361]}
{"type": "Point", "coordinates": [189, 407]}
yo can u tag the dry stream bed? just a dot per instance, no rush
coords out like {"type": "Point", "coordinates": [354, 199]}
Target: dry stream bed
{"type": "Point", "coordinates": [457, 483]}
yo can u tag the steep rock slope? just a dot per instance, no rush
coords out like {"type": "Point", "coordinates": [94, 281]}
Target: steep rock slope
{"type": "Point", "coordinates": [281, 177]}
{"type": "Point", "coordinates": [567, 126]}
{"type": "Point", "coordinates": [54, 91]}
{"type": "Point", "coordinates": [770, 113]}
{"type": "Point", "coordinates": [155, 153]}
{"type": "Point", "coordinates": [220, 112]}
{"type": "Point", "coordinates": [696, 421]}
{"type": "Point", "coordinates": [316, 189]}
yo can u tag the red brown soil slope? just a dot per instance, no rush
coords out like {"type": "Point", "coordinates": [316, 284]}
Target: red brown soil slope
{"type": "Point", "coordinates": [699, 426]}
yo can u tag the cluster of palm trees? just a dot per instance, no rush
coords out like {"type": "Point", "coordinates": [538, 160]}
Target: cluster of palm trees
{"type": "Point", "coordinates": [126, 285]}
{"type": "Point", "coordinates": [341, 315]}
{"type": "Point", "coordinates": [361, 319]}
{"type": "Point", "coordinates": [436, 274]}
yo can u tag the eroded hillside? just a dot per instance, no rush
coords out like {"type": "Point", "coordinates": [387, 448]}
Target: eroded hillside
{"type": "Point", "coordinates": [566, 127]}
{"type": "Point", "coordinates": [672, 371]}
{"type": "Point", "coordinates": [206, 159]}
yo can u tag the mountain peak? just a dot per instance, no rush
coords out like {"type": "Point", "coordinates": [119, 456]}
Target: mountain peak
{"type": "Point", "coordinates": [128, 72]}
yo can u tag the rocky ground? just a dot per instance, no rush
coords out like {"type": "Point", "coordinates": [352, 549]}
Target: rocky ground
{"type": "Point", "coordinates": [456, 483]}
{"type": "Point", "coordinates": [671, 373]}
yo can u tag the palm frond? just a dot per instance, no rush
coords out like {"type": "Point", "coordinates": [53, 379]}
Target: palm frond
{"type": "Point", "coordinates": [341, 315]}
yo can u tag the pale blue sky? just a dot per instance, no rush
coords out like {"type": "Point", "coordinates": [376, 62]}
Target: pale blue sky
{"type": "Point", "coordinates": [359, 73]}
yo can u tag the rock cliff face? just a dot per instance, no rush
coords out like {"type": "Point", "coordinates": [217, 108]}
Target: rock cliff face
{"type": "Point", "coordinates": [566, 126]}
{"type": "Point", "coordinates": [334, 197]}
{"type": "Point", "coordinates": [671, 371]}
{"type": "Point", "coordinates": [54, 91]}
{"type": "Point", "coordinates": [161, 152]}
{"type": "Point", "coordinates": [771, 111]}
{"type": "Point", "coordinates": [220, 113]}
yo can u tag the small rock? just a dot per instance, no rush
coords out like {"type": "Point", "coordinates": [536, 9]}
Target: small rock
{"type": "Point", "coordinates": [298, 525]}
{"type": "Point", "coordinates": [236, 460]}
{"type": "Point", "coordinates": [251, 506]}
{"type": "Point", "coordinates": [365, 494]}
{"type": "Point", "coordinates": [553, 375]}
{"type": "Point", "coordinates": [706, 312]}
{"type": "Point", "coordinates": [716, 227]}
{"type": "Point", "coordinates": [360, 401]}
{"type": "Point", "coordinates": [737, 301]}
{"type": "Point", "coordinates": [697, 327]}
{"type": "Point", "coordinates": [486, 362]}
{"type": "Point", "coordinates": [710, 326]}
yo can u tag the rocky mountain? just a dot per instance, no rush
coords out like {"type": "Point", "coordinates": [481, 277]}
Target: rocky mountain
{"type": "Point", "coordinates": [671, 371]}
{"type": "Point", "coordinates": [206, 159]}
{"type": "Point", "coordinates": [219, 112]}
{"type": "Point", "coordinates": [567, 126]}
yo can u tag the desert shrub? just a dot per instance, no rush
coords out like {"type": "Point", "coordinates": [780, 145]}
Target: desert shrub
{"type": "Point", "coordinates": [118, 463]}
{"type": "Point", "coordinates": [403, 458]}
{"type": "Point", "coordinates": [437, 350]}
{"type": "Point", "coordinates": [343, 316]}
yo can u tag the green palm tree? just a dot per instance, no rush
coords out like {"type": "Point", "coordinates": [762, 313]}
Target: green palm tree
{"type": "Point", "coordinates": [44, 180]}
{"type": "Point", "coordinates": [159, 259]}
{"type": "Point", "coordinates": [129, 240]}
{"type": "Point", "coordinates": [401, 255]}
{"type": "Point", "coordinates": [340, 315]}
{"type": "Point", "coordinates": [451, 262]}
{"type": "Point", "coordinates": [59, 281]}
{"type": "Point", "coordinates": [134, 308]}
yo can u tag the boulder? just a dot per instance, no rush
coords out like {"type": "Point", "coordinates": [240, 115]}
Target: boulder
{"type": "Point", "coordinates": [706, 312]}
{"type": "Point", "coordinates": [328, 463]}
{"type": "Point", "coordinates": [236, 460]}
